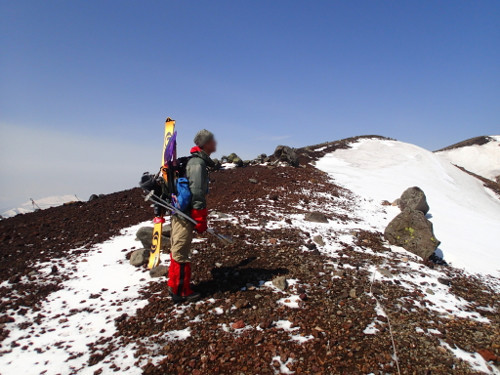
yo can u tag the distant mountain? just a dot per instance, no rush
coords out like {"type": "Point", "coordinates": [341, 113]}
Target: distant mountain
{"type": "Point", "coordinates": [480, 155]}
{"type": "Point", "coordinates": [39, 204]}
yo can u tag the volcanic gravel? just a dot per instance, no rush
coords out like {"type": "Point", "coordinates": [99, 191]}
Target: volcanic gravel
{"type": "Point", "coordinates": [235, 328]}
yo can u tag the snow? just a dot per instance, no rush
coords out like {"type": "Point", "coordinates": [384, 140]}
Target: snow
{"type": "Point", "coordinates": [465, 215]}
{"type": "Point", "coordinates": [103, 272]}
{"type": "Point", "coordinates": [473, 359]}
{"type": "Point", "coordinates": [42, 203]}
{"type": "Point", "coordinates": [483, 160]}
{"type": "Point", "coordinates": [283, 369]}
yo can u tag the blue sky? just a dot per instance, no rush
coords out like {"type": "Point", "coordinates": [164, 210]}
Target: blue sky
{"type": "Point", "coordinates": [100, 77]}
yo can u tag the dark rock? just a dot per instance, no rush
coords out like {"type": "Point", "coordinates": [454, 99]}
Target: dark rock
{"type": "Point", "coordinates": [287, 155]}
{"type": "Point", "coordinates": [217, 164]}
{"type": "Point", "coordinates": [145, 235]}
{"type": "Point", "coordinates": [93, 197]}
{"type": "Point", "coordinates": [316, 217]}
{"type": "Point", "coordinates": [238, 162]}
{"type": "Point", "coordinates": [280, 282]}
{"type": "Point", "coordinates": [414, 198]}
{"type": "Point", "coordinates": [231, 157]}
{"type": "Point", "coordinates": [412, 231]}
{"type": "Point", "coordinates": [139, 257]}
{"type": "Point", "coordinates": [158, 271]}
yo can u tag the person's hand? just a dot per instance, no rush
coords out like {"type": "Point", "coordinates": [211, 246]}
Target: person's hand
{"type": "Point", "coordinates": [200, 216]}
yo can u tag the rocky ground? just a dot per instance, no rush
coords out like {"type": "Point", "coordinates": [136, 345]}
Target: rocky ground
{"type": "Point", "coordinates": [348, 302]}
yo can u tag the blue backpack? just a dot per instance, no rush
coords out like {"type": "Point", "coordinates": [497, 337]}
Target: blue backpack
{"type": "Point", "coordinates": [181, 197]}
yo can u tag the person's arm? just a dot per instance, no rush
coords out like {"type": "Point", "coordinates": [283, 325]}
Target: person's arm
{"type": "Point", "coordinates": [197, 175]}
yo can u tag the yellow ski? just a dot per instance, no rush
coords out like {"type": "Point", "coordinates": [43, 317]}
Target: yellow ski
{"type": "Point", "coordinates": [154, 257]}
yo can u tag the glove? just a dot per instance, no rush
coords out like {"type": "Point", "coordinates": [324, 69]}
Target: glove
{"type": "Point", "coordinates": [200, 216]}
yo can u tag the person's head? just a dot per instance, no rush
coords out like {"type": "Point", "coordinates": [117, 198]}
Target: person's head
{"type": "Point", "coordinates": [205, 140]}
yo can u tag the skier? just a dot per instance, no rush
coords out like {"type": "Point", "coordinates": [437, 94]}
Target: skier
{"type": "Point", "coordinates": [179, 275]}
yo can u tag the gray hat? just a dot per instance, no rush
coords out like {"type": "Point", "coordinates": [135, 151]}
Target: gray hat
{"type": "Point", "coordinates": [202, 137]}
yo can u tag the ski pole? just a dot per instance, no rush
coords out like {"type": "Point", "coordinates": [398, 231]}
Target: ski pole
{"type": "Point", "coordinates": [161, 202]}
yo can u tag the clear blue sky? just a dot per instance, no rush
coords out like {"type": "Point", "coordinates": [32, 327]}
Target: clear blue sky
{"type": "Point", "coordinates": [102, 76]}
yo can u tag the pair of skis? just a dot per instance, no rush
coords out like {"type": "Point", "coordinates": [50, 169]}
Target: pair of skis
{"type": "Point", "coordinates": [169, 160]}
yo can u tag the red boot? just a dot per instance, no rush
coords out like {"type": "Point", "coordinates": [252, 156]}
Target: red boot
{"type": "Point", "coordinates": [179, 279]}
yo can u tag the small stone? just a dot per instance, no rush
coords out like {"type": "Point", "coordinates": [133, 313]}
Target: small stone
{"type": "Point", "coordinates": [385, 272]}
{"type": "Point", "coordinates": [253, 181]}
{"type": "Point", "coordinates": [239, 324]}
{"type": "Point", "coordinates": [265, 323]}
{"type": "Point", "coordinates": [318, 240]}
{"type": "Point", "coordinates": [316, 217]}
{"type": "Point", "coordinates": [352, 293]}
{"type": "Point", "coordinates": [429, 291]}
{"type": "Point", "coordinates": [258, 296]}
{"type": "Point", "coordinates": [242, 303]}
{"type": "Point", "coordinates": [488, 355]}
{"type": "Point", "coordinates": [158, 271]}
{"type": "Point", "coordinates": [280, 282]}
{"type": "Point", "coordinates": [218, 265]}
{"type": "Point", "coordinates": [273, 241]}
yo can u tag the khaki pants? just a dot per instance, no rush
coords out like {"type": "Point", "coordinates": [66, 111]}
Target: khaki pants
{"type": "Point", "coordinates": [180, 239]}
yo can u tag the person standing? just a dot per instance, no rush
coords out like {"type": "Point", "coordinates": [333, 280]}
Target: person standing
{"type": "Point", "coordinates": [179, 275]}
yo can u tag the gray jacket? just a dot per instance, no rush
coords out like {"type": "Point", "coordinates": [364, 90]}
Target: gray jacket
{"type": "Point", "coordinates": [197, 174]}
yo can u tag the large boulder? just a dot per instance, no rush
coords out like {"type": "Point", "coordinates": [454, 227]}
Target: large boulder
{"type": "Point", "coordinates": [139, 257]}
{"type": "Point", "coordinates": [412, 231]}
{"type": "Point", "coordinates": [287, 155]}
{"type": "Point", "coordinates": [145, 235]}
{"type": "Point", "coordinates": [414, 198]}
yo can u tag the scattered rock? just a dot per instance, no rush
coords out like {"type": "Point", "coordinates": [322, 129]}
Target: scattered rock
{"type": "Point", "coordinates": [385, 272]}
{"type": "Point", "coordinates": [318, 240]}
{"type": "Point", "coordinates": [265, 323]}
{"type": "Point", "coordinates": [238, 162]}
{"type": "Point", "coordinates": [386, 203]}
{"type": "Point", "coordinates": [316, 217]}
{"type": "Point", "coordinates": [273, 241]}
{"type": "Point", "coordinates": [139, 257]}
{"type": "Point", "coordinates": [411, 230]}
{"type": "Point", "coordinates": [488, 355]}
{"type": "Point", "coordinates": [352, 293]}
{"type": "Point", "coordinates": [158, 271]}
{"type": "Point", "coordinates": [429, 291]}
{"type": "Point", "coordinates": [253, 181]}
{"type": "Point", "coordinates": [287, 155]}
{"type": "Point", "coordinates": [280, 282]}
{"type": "Point", "coordinates": [414, 198]}
{"type": "Point", "coordinates": [93, 197]}
{"type": "Point", "coordinates": [444, 281]}
{"type": "Point", "coordinates": [238, 324]}
{"type": "Point", "coordinates": [242, 303]}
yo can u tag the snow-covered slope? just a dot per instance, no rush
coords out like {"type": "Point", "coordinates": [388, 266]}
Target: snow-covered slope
{"type": "Point", "coordinates": [483, 160]}
{"type": "Point", "coordinates": [466, 216]}
{"type": "Point", "coordinates": [42, 203]}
